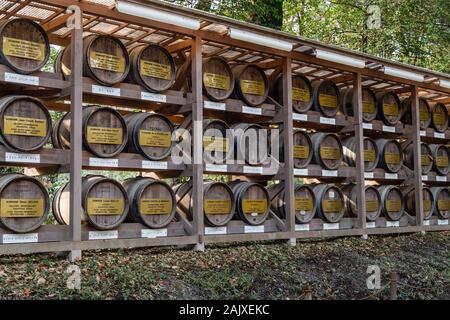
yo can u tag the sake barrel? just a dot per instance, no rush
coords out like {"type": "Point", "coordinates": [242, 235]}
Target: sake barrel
{"type": "Point", "coordinates": [251, 84]}
{"type": "Point", "coordinates": [439, 119]}
{"type": "Point", "coordinates": [218, 79]}
{"type": "Point", "coordinates": [425, 115]}
{"type": "Point", "coordinates": [428, 203]}
{"type": "Point", "coordinates": [441, 156]}
{"type": "Point", "coordinates": [149, 134]}
{"type": "Point", "coordinates": [427, 157]}
{"type": "Point", "coordinates": [442, 202]}
{"type": "Point", "coordinates": [104, 202]}
{"type": "Point", "coordinates": [217, 141]}
{"type": "Point", "coordinates": [370, 153]}
{"type": "Point", "coordinates": [251, 143]}
{"type": "Point", "coordinates": [105, 59]}
{"type": "Point", "coordinates": [302, 93]}
{"type": "Point", "coordinates": [25, 123]}
{"type": "Point", "coordinates": [24, 45]}
{"type": "Point", "coordinates": [24, 203]}
{"type": "Point", "coordinates": [304, 205]}
{"type": "Point", "coordinates": [327, 150]}
{"type": "Point", "coordinates": [330, 202]}
{"type": "Point", "coordinates": [152, 202]}
{"type": "Point", "coordinates": [369, 104]}
{"type": "Point", "coordinates": [152, 67]}
{"type": "Point", "coordinates": [218, 202]}
{"type": "Point", "coordinates": [303, 149]}
{"type": "Point", "coordinates": [252, 202]}
{"type": "Point", "coordinates": [389, 108]}
{"type": "Point", "coordinates": [373, 201]}
{"type": "Point", "coordinates": [389, 155]}
{"type": "Point", "coordinates": [392, 203]}
{"type": "Point", "coordinates": [326, 98]}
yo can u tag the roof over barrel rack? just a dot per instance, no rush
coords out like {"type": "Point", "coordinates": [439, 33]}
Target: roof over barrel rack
{"type": "Point", "coordinates": [150, 21]}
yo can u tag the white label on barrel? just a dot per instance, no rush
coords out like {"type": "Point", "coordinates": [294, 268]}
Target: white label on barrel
{"type": "Point", "coordinates": [254, 229]}
{"type": "Point", "coordinates": [20, 78]}
{"type": "Point", "coordinates": [103, 235]}
{"type": "Point", "coordinates": [371, 225]}
{"type": "Point", "coordinates": [331, 226]}
{"type": "Point", "coordinates": [253, 170]}
{"type": "Point", "coordinates": [388, 129]}
{"type": "Point", "coordinates": [426, 223]}
{"type": "Point", "coordinates": [302, 227]}
{"type": "Point", "coordinates": [442, 222]}
{"type": "Point", "coordinates": [156, 165]}
{"type": "Point", "coordinates": [250, 110]}
{"type": "Point", "coordinates": [425, 178]}
{"type": "Point", "coordinates": [108, 91]}
{"type": "Point", "coordinates": [215, 105]}
{"type": "Point", "coordinates": [22, 157]}
{"type": "Point", "coordinates": [367, 126]}
{"type": "Point", "coordinates": [368, 175]}
{"type": "Point", "coordinates": [148, 96]}
{"type": "Point", "coordinates": [329, 173]}
{"type": "Point", "coordinates": [104, 163]}
{"type": "Point", "coordinates": [300, 117]}
{"type": "Point", "coordinates": [423, 133]}
{"type": "Point", "coordinates": [153, 233]}
{"type": "Point", "coordinates": [20, 238]}
{"type": "Point", "coordinates": [441, 179]}
{"type": "Point", "coordinates": [216, 168]}
{"type": "Point", "coordinates": [301, 172]}
{"type": "Point", "coordinates": [438, 135]}
{"type": "Point", "coordinates": [392, 224]}
{"type": "Point", "coordinates": [331, 121]}
{"type": "Point", "coordinates": [215, 231]}
{"type": "Point", "coordinates": [391, 176]}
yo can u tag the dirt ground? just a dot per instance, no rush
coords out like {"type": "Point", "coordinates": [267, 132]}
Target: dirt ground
{"type": "Point", "coordinates": [334, 269]}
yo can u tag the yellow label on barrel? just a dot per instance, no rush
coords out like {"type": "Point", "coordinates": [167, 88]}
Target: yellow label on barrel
{"type": "Point", "coordinates": [301, 152]}
{"type": "Point", "coordinates": [427, 205]}
{"type": "Point", "coordinates": [104, 61]}
{"type": "Point", "coordinates": [218, 206]}
{"type": "Point", "coordinates": [102, 135]}
{"type": "Point", "coordinates": [423, 114]}
{"type": "Point", "coordinates": [372, 205]}
{"type": "Point", "coordinates": [425, 160]}
{"type": "Point", "coordinates": [390, 110]}
{"type": "Point", "coordinates": [24, 126]}
{"type": "Point", "coordinates": [155, 206]}
{"type": "Point", "coordinates": [155, 70]}
{"type": "Point", "coordinates": [21, 208]}
{"type": "Point", "coordinates": [300, 94]}
{"type": "Point", "coordinates": [23, 49]}
{"type": "Point", "coordinates": [304, 204]}
{"type": "Point", "coordinates": [369, 155]}
{"type": "Point", "coordinates": [393, 205]}
{"type": "Point", "coordinates": [216, 81]}
{"type": "Point", "coordinates": [368, 106]}
{"type": "Point", "coordinates": [331, 206]}
{"type": "Point", "coordinates": [257, 88]}
{"type": "Point", "coordinates": [330, 153]}
{"type": "Point", "coordinates": [215, 144]}
{"type": "Point", "coordinates": [258, 206]}
{"type": "Point", "coordinates": [392, 158]}
{"type": "Point", "coordinates": [443, 205]}
{"type": "Point", "coordinates": [328, 101]}
{"type": "Point", "coordinates": [442, 162]}
{"type": "Point", "coordinates": [439, 118]}
{"type": "Point", "coordinates": [149, 138]}
{"type": "Point", "coordinates": [105, 207]}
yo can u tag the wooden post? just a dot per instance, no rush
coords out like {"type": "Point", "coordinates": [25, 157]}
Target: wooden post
{"type": "Point", "coordinates": [393, 287]}
{"type": "Point", "coordinates": [418, 186]}
{"type": "Point", "coordinates": [197, 142]}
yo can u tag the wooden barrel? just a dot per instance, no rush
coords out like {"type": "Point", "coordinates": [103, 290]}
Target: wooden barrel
{"type": "Point", "coordinates": [389, 155]}
{"type": "Point", "coordinates": [218, 202]}
{"type": "Point", "coordinates": [442, 202]}
{"type": "Point", "coordinates": [370, 153]}
{"type": "Point", "coordinates": [302, 93]}
{"type": "Point", "coordinates": [440, 118]}
{"type": "Point", "coordinates": [373, 201]}
{"type": "Point", "coordinates": [105, 59]}
{"type": "Point", "coordinates": [424, 113]}
{"type": "Point", "coordinates": [428, 203]}
{"type": "Point", "coordinates": [251, 84]}
{"type": "Point", "coordinates": [303, 149]}
{"type": "Point", "coordinates": [152, 67]}
{"type": "Point", "coordinates": [217, 142]}
{"type": "Point", "coordinates": [369, 104]}
{"type": "Point", "coordinates": [104, 201]}
{"type": "Point", "coordinates": [252, 202]}
{"type": "Point", "coordinates": [441, 156]}
{"type": "Point", "coordinates": [104, 131]}
{"type": "Point", "coordinates": [250, 143]}
{"type": "Point", "coordinates": [25, 123]}
{"type": "Point", "coordinates": [218, 79]}
{"type": "Point", "coordinates": [392, 203]}
{"type": "Point", "coordinates": [24, 45]}
{"type": "Point", "coordinates": [305, 204]}
{"type": "Point", "coordinates": [326, 98]}
{"type": "Point", "coordinates": [149, 134]}
{"type": "Point", "coordinates": [152, 202]}
{"type": "Point", "coordinates": [330, 202]}
{"type": "Point", "coordinates": [389, 108]}
{"type": "Point", "coordinates": [427, 157]}
{"type": "Point", "coordinates": [24, 203]}
{"type": "Point", "coordinates": [327, 150]}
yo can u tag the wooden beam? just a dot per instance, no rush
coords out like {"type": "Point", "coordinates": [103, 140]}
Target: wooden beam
{"type": "Point", "coordinates": [56, 23]}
